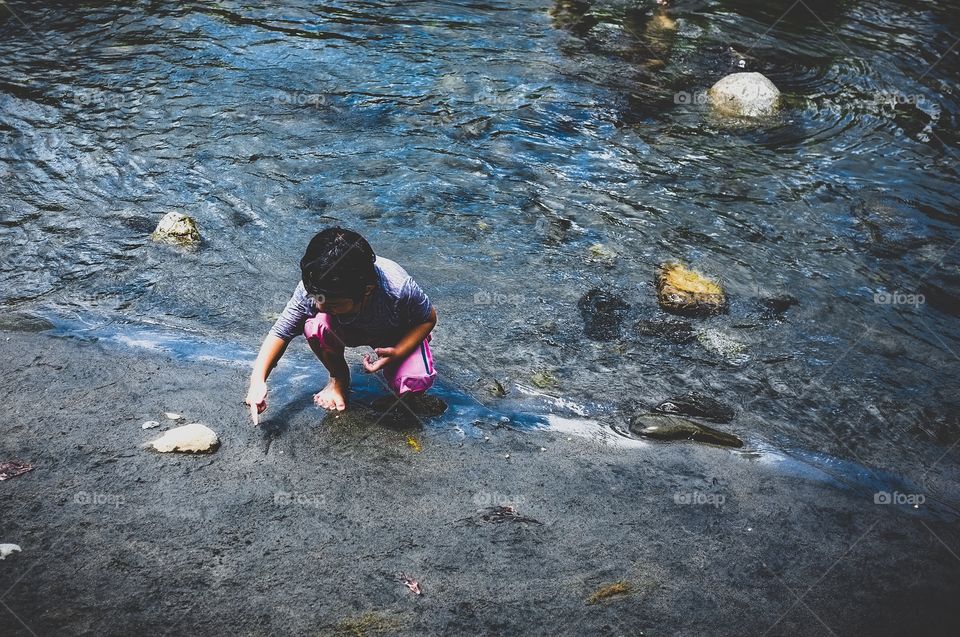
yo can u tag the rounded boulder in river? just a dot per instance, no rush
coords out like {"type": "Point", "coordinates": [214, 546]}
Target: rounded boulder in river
{"type": "Point", "coordinates": [744, 95]}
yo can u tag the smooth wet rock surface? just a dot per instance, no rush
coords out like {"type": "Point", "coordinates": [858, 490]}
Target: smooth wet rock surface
{"type": "Point", "coordinates": [335, 503]}
{"type": "Point", "coordinates": [675, 428]}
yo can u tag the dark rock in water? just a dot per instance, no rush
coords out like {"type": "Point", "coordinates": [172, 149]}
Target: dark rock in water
{"type": "Point", "coordinates": [775, 306]}
{"type": "Point", "coordinates": [941, 290]}
{"type": "Point", "coordinates": [671, 330]}
{"type": "Point", "coordinates": [697, 405]}
{"type": "Point", "coordinates": [602, 314]}
{"type": "Point", "coordinates": [673, 428]}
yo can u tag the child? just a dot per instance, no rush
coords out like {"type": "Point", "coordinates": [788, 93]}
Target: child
{"type": "Point", "coordinates": [349, 297]}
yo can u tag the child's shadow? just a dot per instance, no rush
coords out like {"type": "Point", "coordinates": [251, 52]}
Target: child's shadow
{"type": "Point", "coordinates": [277, 423]}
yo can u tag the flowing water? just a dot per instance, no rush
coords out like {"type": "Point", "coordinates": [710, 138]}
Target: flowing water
{"type": "Point", "coordinates": [513, 156]}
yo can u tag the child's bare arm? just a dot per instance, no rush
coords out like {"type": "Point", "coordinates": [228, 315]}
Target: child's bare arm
{"type": "Point", "coordinates": [410, 341]}
{"type": "Point", "coordinates": [270, 353]}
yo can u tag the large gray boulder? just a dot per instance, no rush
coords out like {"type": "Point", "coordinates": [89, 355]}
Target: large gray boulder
{"type": "Point", "coordinates": [744, 95]}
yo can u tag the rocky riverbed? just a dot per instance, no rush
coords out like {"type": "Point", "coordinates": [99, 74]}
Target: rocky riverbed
{"type": "Point", "coordinates": [303, 525]}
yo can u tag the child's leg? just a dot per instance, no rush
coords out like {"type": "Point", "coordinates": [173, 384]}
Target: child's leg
{"type": "Point", "coordinates": [414, 374]}
{"type": "Point", "coordinates": [328, 347]}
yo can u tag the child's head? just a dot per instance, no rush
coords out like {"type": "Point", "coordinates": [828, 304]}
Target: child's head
{"type": "Point", "coordinates": [337, 269]}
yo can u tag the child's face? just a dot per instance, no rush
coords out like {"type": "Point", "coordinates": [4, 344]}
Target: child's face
{"type": "Point", "coordinates": [336, 305]}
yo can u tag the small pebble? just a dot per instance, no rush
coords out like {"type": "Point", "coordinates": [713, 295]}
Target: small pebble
{"type": "Point", "coordinates": [487, 438]}
{"type": "Point", "coordinates": [150, 424]}
{"type": "Point", "coordinates": [504, 419]}
{"type": "Point", "coordinates": [173, 416]}
{"type": "Point", "coordinates": [543, 448]}
{"type": "Point", "coordinates": [507, 456]}
{"type": "Point", "coordinates": [569, 439]}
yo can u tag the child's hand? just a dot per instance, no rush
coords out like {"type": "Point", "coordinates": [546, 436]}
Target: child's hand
{"type": "Point", "coordinates": [385, 356]}
{"type": "Point", "coordinates": [257, 396]}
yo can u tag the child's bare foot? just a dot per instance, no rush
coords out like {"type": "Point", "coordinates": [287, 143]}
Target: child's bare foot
{"type": "Point", "coordinates": [333, 396]}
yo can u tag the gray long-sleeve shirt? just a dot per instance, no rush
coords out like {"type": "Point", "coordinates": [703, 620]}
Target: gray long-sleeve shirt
{"type": "Point", "coordinates": [395, 306]}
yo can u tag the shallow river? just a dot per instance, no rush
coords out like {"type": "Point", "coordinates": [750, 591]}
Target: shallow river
{"type": "Point", "coordinates": [513, 156]}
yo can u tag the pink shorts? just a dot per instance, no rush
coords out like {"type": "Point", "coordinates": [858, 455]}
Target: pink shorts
{"type": "Point", "coordinates": [414, 374]}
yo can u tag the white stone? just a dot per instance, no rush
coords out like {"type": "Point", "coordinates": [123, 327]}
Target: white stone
{"type": "Point", "coordinates": [176, 227]}
{"type": "Point", "coordinates": [7, 549]}
{"type": "Point", "coordinates": [173, 416]}
{"type": "Point", "coordinates": [193, 438]}
{"type": "Point", "coordinates": [150, 424]}
{"type": "Point", "coordinates": [744, 94]}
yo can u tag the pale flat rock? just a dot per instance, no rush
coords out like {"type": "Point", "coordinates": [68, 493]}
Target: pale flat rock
{"type": "Point", "coordinates": [193, 438]}
{"type": "Point", "coordinates": [150, 424]}
{"type": "Point", "coordinates": [173, 416]}
{"type": "Point", "coordinates": [177, 228]}
{"type": "Point", "coordinates": [745, 95]}
{"type": "Point", "coordinates": [7, 549]}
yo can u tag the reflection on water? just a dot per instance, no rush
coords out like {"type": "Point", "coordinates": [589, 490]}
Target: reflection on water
{"type": "Point", "coordinates": [513, 156]}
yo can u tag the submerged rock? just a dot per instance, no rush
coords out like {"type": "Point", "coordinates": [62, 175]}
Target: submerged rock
{"type": "Point", "coordinates": [194, 438]}
{"type": "Point", "coordinates": [716, 342]}
{"type": "Point", "coordinates": [603, 255]}
{"type": "Point", "coordinates": [697, 405]}
{"type": "Point", "coordinates": [775, 306]}
{"type": "Point", "coordinates": [684, 291]}
{"type": "Point", "coordinates": [543, 379]}
{"type": "Point", "coordinates": [177, 228]}
{"type": "Point", "coordinates": [673, 428]}
{"type": "Point", "coordinates": [603, 313]}
{"type": "Point", "coordinates": [744, 95]}
{"type": "Point", "coordinates": [672, 330]}
{"type": "Point", "coordinates": [7, 549]}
